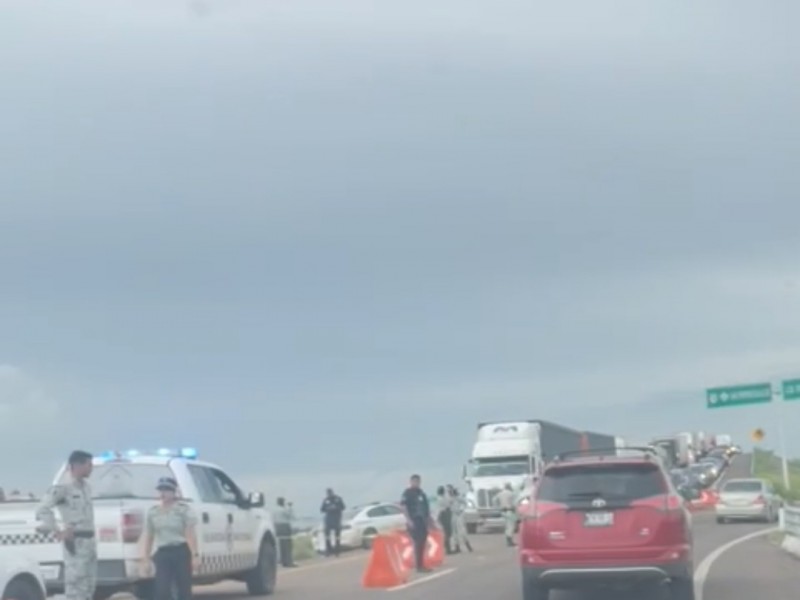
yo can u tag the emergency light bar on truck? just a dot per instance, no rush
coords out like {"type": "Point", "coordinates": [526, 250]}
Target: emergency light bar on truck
{"type": "Point", "coordinates": [187, 453]}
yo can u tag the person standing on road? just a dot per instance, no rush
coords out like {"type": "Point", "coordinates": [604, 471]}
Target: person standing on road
{"type": "Point", "coordinates": [73, 500]}
{"type": "Point", "coordinates": [505, 500]}
{"type": "Point", "coordinates": [444, 515]}
{"type": "Point", "coordinates": [459, 527]}
{"type": "Point", "coordinates": [170, 529]}
{"type": "Point", "coordinates": [283, 517]}
{"type": "Point", "coordinates": [332, 507]}
{"type": "Point", "coordinates": [418, 519]}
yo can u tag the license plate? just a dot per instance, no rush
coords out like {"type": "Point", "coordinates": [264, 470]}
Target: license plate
{"type": "Point", "coordinates": [50, 572]}
{"type": "Point", "coordinates": [598, 519]}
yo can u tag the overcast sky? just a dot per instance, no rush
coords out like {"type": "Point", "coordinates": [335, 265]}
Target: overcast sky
{"type": "Point", "coordinates": [320, 240]}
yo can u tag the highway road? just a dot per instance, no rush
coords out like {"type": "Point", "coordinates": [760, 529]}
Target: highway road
{"type": "Point", "coordinates": [727, 568]}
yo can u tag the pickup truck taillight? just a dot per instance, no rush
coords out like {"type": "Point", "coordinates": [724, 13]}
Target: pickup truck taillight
{"type": "Point", "coordinates": [132, 526]}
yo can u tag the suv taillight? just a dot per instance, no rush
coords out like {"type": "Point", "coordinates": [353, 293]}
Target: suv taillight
{"type": "Point", "coordinates": [676, 524]}
{"type": "Point", "coordinates": [132, 526]}
{"type": "Point", "coordinates": [671, 503]}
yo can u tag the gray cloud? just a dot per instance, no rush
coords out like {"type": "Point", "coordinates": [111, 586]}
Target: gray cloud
{"type": "Point", "coordinates": [316, 220]}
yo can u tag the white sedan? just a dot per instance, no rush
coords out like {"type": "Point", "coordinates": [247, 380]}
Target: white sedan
{"type": "Point", "coordinates": [362, 523]}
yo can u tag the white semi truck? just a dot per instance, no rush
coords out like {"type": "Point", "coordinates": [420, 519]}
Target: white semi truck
{"type": "Point", "coordinates": [515, 452]}
{"type": "Point", "coordinates": [686, 449]}
{"type": "Point", "coordinates": [723, 439]}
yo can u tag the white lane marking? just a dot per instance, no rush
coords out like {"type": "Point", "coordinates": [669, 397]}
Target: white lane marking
{"type": "Point", "coordinates": [702, 571]}
{"type": "Point", "coordinates": [425, 579]}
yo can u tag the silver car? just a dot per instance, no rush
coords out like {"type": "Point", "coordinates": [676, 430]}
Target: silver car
{"type": "Point", "coordinates": [751, 499]}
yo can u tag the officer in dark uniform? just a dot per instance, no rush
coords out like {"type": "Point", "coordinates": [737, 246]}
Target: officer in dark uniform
{"type": "Point", "coordinates": [332, 507]}
{"type": "Point", "coordinates": [418, 517]}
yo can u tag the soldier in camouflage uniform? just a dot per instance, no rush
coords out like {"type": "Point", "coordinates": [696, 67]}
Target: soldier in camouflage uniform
{"type": "Point", "coordinates": [73, 500]}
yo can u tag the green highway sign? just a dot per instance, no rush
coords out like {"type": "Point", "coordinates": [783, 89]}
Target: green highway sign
{"type": "Point", "coordinates": [791, 389]}
{"type": "Point", "coordinates": [740, 395]}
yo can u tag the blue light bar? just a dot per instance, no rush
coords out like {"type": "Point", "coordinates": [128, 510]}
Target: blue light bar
{"type": "Point", "coordinates": [187, 453]}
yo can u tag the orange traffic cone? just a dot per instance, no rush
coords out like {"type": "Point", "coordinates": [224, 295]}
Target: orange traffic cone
{"type": "Point", "coordinates": [434, 549]}
{"type": "Point", "coordinates": [385, 568]}
{"type": "Point", "coordinates": [405, 548]}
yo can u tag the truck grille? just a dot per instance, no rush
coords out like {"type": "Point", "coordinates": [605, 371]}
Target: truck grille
{"type": "Point", "coordinates": [486, 498]}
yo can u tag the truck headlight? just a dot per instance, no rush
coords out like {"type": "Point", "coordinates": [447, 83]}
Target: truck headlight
{"type": "Point", "coordinates": [470, 503]}
{"type": "Point", "coordinates": [524, 501]}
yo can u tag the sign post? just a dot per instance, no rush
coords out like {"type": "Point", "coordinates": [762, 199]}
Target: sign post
{"type": "Point", "coordinates": [758, 393]}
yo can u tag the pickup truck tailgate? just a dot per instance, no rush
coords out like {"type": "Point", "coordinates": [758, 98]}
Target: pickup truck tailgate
{"type": "Point", "coordinates": [118, 527]}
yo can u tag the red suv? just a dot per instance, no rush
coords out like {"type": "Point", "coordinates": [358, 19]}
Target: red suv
{"type": "Point", "coordinates": [600, 520]}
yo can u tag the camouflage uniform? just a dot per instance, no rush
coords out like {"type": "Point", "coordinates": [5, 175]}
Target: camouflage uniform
{"type": "Point", "coordinates": [74, 504]}
{"type": "Point", "coordinates": [505, 500]}
{"type": "Point", "coordinates": [459, 527]}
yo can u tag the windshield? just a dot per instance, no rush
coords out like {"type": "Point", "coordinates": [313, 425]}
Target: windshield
{"type": "Point", "coordinates": [500, 469]}
{"type": "Point", "coordinates": [743, 486]}
{"type": "Point", "coordinates": [125, 480]}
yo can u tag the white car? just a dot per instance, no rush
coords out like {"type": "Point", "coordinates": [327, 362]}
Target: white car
{"type": "Point", "coordinates": [362, 523]}
{"type": "Point", "coordinates": [20, 578]}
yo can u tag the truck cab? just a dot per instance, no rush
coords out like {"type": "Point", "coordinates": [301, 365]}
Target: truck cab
{"type": "Point", "coordinates": [235, 533]}
{"type": "Point", "coordinates": [504, 453]}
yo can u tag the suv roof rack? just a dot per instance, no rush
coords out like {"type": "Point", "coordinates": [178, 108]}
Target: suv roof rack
{"type": "Point", "coordinates": [647, 452]}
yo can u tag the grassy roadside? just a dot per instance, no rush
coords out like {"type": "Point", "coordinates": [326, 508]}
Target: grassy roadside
{"type": "Point", "coordinates": [768, 466]}
{"type": "Point", "coordinates": [303, 547]}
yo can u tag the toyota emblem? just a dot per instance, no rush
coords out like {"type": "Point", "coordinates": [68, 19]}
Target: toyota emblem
{"type": "Point", "coordinates": [598, 503]}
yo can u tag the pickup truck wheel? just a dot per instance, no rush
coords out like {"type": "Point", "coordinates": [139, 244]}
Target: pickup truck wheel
{"type": "Point", "coordinates": [261, 579]}
{"type": "Point", "coordinates": [21, 589]}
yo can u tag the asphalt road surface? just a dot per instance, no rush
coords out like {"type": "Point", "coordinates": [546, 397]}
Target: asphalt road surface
{"type": "Point", "coordinates": [727, 568]}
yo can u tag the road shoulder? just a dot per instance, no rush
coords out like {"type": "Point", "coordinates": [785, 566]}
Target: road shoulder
{"type": "Point", "coordinates": [755, 568]}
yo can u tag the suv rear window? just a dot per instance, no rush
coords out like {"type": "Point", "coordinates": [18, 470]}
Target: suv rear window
{"type": "Point", "coordinates": [626, 482]}
{"type": "Point", "coordinates": [742, 486]}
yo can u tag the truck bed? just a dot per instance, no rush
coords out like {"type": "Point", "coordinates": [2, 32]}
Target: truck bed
{"type": "Point", "coordinates": [18, 528]}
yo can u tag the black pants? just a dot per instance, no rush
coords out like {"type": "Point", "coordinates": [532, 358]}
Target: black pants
{"type": "Point", "coordinates": [419, 535]}
{"type": "Point", "coordinates": [173, 572]}
{"type": "Point", "coordinates": [333, 529]}
{"type": "Point", "coordinates": [446, 521]}
{"type": "Point", "coordinates": [285, 543]}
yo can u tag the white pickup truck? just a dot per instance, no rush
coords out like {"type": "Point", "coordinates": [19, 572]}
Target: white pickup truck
{"type": "Point", "coordinates": [20, 578]}
{"type": "Point", "coordinates": [235, 533]}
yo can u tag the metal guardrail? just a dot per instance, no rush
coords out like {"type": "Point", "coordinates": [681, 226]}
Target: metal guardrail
{"type": "Point", "coordinates": [790, 521]}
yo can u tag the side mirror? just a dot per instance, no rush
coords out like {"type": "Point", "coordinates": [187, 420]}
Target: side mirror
{"type": "Point", "coordinates": [256, 500]}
